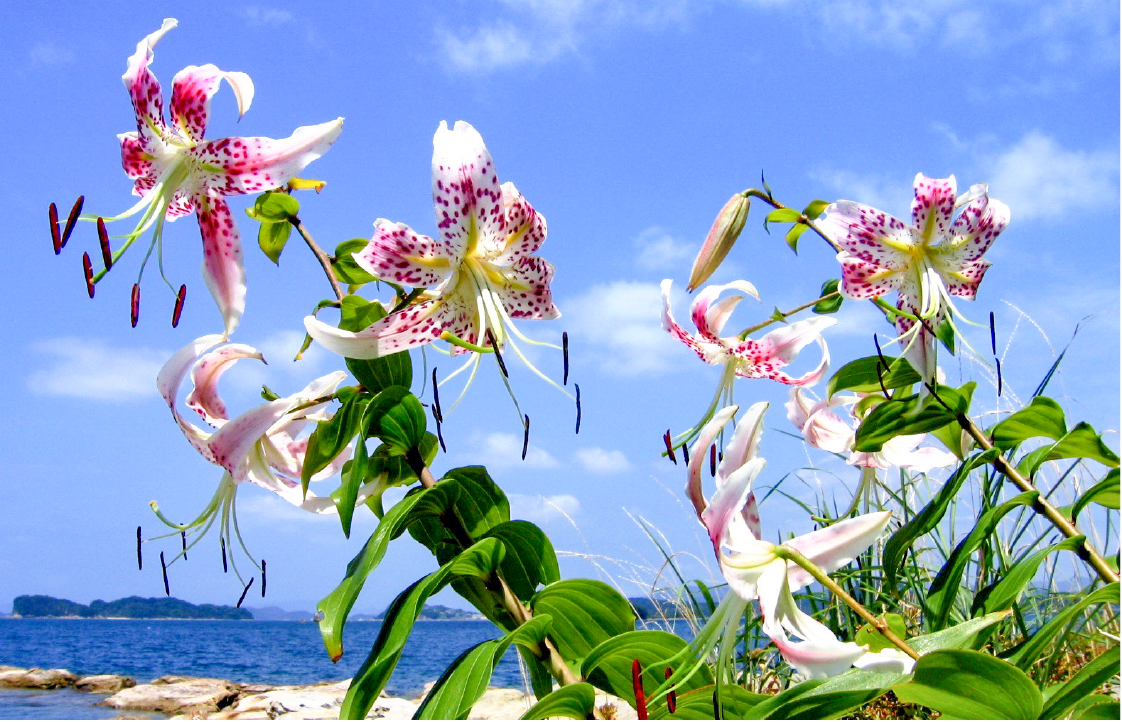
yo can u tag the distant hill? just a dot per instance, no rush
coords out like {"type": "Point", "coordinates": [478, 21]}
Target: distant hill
{"type": "Point", "coordinates": [430, 613]}
{"type": "Point", "coordinates": [38, 605]}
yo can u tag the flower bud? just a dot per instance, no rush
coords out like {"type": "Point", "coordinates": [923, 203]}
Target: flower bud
{"type": "Point", "coordinates": [726, 229]}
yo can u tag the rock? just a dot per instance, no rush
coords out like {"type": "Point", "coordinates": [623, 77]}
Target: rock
{"type": "Point", "coordinates": [174, 695]}
{"type": "Point", "coordinates": [104, 683]}
{"type": "Point", "coordinates": [499, 703]}
{"type": "Point", "coordinates": [36, 678]}
{"type": "Point", "coordinates": [317, 701]}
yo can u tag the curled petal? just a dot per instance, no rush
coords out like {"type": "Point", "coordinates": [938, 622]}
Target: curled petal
{"type": "Point", "coordinates": [765, 358]}
{"type": "Point", "coordinates": [710, 318]}
{"type": "Point", "coordinates": [222, 257]}
{"type": "Point", "coordinates": [933, 206]}
{"type": "Point", "coordinates": [136, 162]}
{"type": "Point", "coordinates": [525, 228]}
{"type": "Point", "coordinates": [745, 443]}
{"type": "Point", "coordinates": [204, 396]}
{"type": "Point", "coordinates": [398, 253]}
{"type": "Point", "coordinates": [705, 350]}
{"type": "Point", "coordinates": [835, 546]}
{"type": "Point", "coordinates": [405, 329]}
{"type": "Point", "coordinates": [192, 89]}
{"type": "Point", "coordinates": [726, 504]}
{"type": "Point", "coordinates": [144, 89]}
{"type": "Point", "coordinates": [466, 192]}
{"type": "Point", "coordinates": [171, 376]}
{"type": "Point", "coordinates": [233, 166]}
{"type": "Point", "coordinates": [698, 454]}
{"type": "Point", "coordinates": [234, 442]}
{"type": "Point", "coordinates": [525, 292]}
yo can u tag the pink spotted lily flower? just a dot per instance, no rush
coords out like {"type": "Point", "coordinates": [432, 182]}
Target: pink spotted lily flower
{"type": "Point", "coordinates": [261, 446]}
{"type": "Point", "coordinates": [937, 256]}
{"type": "Point", "coordinates": [177, 171]}
{"type": "Point", "coordinates": [754, 568]}
{"type": "Point", "coordinates": [740, 356]}
{"type": "Point", "coordinates": [480, 272]}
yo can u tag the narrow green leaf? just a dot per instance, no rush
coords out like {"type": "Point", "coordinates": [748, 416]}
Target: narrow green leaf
{"type": "Point", "coordinates": [1101, 709]}
{"type": "Point", "coordinates": [478, 560]}
{"type": "Point", "coordinates": [1042, 417]}
{"type": "Point", "coordinates": [1093, 675]}
{"type": "Point", "coordinates": [1003, 594]}
{"type": "Point", "coordinates": [970, 634]}
{"type": "Point", "coordinates": [735, 702]}
{"type": "Point", "coordinates": [862, 375]}
{"type": "Point", "coordinates": [1028, 653]}
{"type": "Point", "coordinates": [783, 215]}
{"type": "Point", "coordinates": [971, 685]}
{"type": "Point", "coordinates": [353, 477]}
{"type": "Point", "coordinates": [793, 235]}
{"type": "Point", "coordinates": [829, 699]}
{"type": "Point", "coordinates": [814, 209]}
{"type": "Point", "coordinates": [574, 701]}
{"type": "Point", "coordinates": [608, 665]}
{"type": "Point", "coordinates": [272, 237]}
{"type": "Point", "coordinates": [830, 305]}
{"type": "Point", "coordinates": [944, 332]}
{"type": "Point", "coordinates": [1080, 442]}
{"type": "Point", "coordinates": [585, 613]}
{"type": "Point", "coordinates": [1104, 493]}
{"type": "Point", "coordinates": [330, 437]}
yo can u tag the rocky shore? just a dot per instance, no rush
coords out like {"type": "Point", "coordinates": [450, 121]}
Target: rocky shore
{"type": "Point", "coordinates": [204, 698]}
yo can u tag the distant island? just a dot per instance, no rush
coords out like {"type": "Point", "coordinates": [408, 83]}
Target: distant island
{"type": "Point", "coordinates": [38, 605]}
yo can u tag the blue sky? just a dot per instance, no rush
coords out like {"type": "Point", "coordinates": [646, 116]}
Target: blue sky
{"type": "Point", "coordinates": [627, 124]}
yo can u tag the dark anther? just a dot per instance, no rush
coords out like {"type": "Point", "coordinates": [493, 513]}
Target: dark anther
{"type": "Point", "coordinates": [262, 578]}
{"type": "Point", "coordinates": [134, 305]}
{"type": "Point", "coordinates": [993, 335]}
{"type": "Point", "coordinates": [577, 387]}
{"type": "Point", "coordinates": [998, 362]}
{"type": "Point", "coordinates": [178, 310]}
{"type": "Point", "coordinates": [498, 356]}
{"type": "Point", "coordinates": [75, 211]}
{"type": "Point", "coordinates": [440, 436]}
{"type": "Point", "coordinates": [164, 566]}
{"type": "Point", "coordinates": [565, 355]}
{"type": "Point", "coordinates": [880, 354]}
{"type": "Point", "coordinates": [436, 413]}
{"type": "Point", "coordinates": [671, 696]}
{"type": "Point", "coordinates": [686, 454]}
{"type": "Point", "coordinates": [56, 240]}
{"type": "Point", "coordinates": [183, 538]}
{"type": "Point", "coordinates": [669, 447]}
{"type": "Point", "coordinates": [640, 695]}
{"type": "Point", "coordinates": [224, 567]}
{"type": "Point", "coordinates": [87, 268]}
{"type": "Point", "coordinates": [103, 239]}
{"type": "Point", "coordinates": [139, 556]}
{"type": "Point", "coordinates": [245, 591]}
{"type": "Point", "coordinates": [525, 435]}
{"type": "Point", "coordinates": [713, 460]}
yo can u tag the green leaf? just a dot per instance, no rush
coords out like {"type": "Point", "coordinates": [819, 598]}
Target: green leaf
{"type": "Point", "coordinates": [375, 374]}
{"type": "Point", "coordinates": [971, 685]}
{"type": "Point", "coordinates": [272, 237]}
{"type": "Point", "coordinates": [736, 703]}
{"type": "Point", "coordinates": [343, 263]}
{"type": "Point", "coordinates": [1101, 709]}
{"type": "Point", "coordinates": [330, 437]}
{"type": "Point", "coordinates": [608, 665]}
{"type": "Point", "coordinates": [479, 560]}
{"type": "Point", "coordinates": [1093, 675]}
{"type": "Point", "coordinates": [1080, 442]}
{"type": "Point", "coordinates": [465, 680]}
{"type": "Point", "coordinates": [901, 541]}
{"type": "Point", "coordinates": [783, 215]}
{"type": "Point", "coordinates": [814, 209]}
{"type": "Point", "coordinates": [336, 606]}
{"type": "Point", "coordinates": [1104, 493]}
{"type": "Point", "coordinates": [573, 701]}
{"type": "Point", "coordinates": [397, 418]}
{"type": "Point", "coordinates": [945, 333]}
{"type": "Point", "coordinates": [870, 635]}
{"type": "Point", "coordinates": [793, 235]}
{"type": "Point", "coordinates": [585, 613]}
{"type": "Point", "coordinates": [970, 634]}
{"type": "Point", "coordinates": [1042, 417]}
{"type": "Point", "coordinates": [346, 496]}
{"type": "Point", "coordinates": [530, 559]}
{"type": "Point", "coordinates": [862, 375]}
{"type": "Point", "coordinates": [899, 417]}
{"type": "Point", "coordinates": [944, 589]}
{"type": "Point", "coordinates": [829, 699]}
{"type": "Point", "coordinates": [830, 305]}
{"type": "Point", "coordinates": [541, 681]}
{"type": "Point", "coordinates": [1003, 594]}
{"type": "Point", "coordinates": [274, 208]}
{"type": "Point", "coordinates": [1028, 653]}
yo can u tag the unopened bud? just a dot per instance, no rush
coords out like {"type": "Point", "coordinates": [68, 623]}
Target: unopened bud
{"type": "Point", "coordinates": [56, 240]}
{"type": "Point", "coordinates": [726, 229]}
{"type": "Point", "coordinates": [135, 304]}
{"type": "Point", "coordinates": [306, 184]}
{"type": "Point", "coordinates": [87, 268]}
{"type": "Point", "coordinates": [75, 211]}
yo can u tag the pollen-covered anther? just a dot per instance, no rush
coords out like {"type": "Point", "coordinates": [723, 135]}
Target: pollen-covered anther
{"type": "Point", "coordinates": [669, 447]}
{"type": "Point", "coordinates": [225, 567]}
{"type": "Point", "coordinates": [713, 460]}
{"type": "Point", "coordinates": [436, 413]}
{"type": "Point", "coordinates": [103, 239]}
{"type": "Point", "coordinates": [637, 686]}
{"type": "Point", "coordinates": [56, 239]}
{"type": "Point", "coordinates": [498, 355]}
{"type": "Point", "coordinates": [180, 298]}
{"type": "Point", "coordinates": [671, 696]}
{"type": "Point", "coordinates": [134, 304]}
{"type": "Point", "coordinates": [183, 538]}
{"type": "Point", "coordinates": [577, 388]}
{"type": "Point", "coordinates": [87, 269]}
{"type": "Point", "coordinates": [75, 211]}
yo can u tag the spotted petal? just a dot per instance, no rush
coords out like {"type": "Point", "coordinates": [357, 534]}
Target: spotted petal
{"type": "Point", "coordinates": [399, 254]}
{"type": "Point", "coordinates": [933, 206]}
{"type": "Point", "coordinates": [222, 258]}
{"type": "Point", "coordinates": [710, 317]}
{"type": "Point", "coordinates": [192, 89]}
{"type": "Point", "coordinates": [765, 358]}
{"type": "Point", "coordinates": [204, 397]}
{"type": "Point", "coordinates": [144, 89]}
{"type": "Point", "coordinates": [525, 228]}
{"type": "Point", "coordinates": [525, 292]}
{"type": "Point", "coordinates": [466, 192]}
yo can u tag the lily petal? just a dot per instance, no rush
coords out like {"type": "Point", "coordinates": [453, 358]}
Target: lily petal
{"type": "Point", "coordinates": [525, 227]}
{"type": "Point", "coordinates": [204, 396]}
{"type": "Point", "coordinates": [710, 321]}
{"type": "Point", "coordinates": [144, 89]}
{"type": "Point", "coordinates": [833, 547]}
{"type": "Point", "coordinates": [466, 192]}
{"type": "Point", "coordinates": [408, 328]}
{"type": "Point", "coordinates": [699, 454]}
{"type": "Point", "coordinates": [222, 257]}
{"type": "Point", "coordinates": [525, 292]}
{"type": "Point", "coordinates": [933, 206]}
{"type": "Point", "coordinates": [399, 254]}
{"type": "Point", "coordinates": [765, 358]}
{"type": "Point", "coordinates": [192, 89]}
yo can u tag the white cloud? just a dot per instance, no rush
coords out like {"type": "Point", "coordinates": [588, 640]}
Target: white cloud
{"type": "Point", "coordinates": [502, 450]}
{"type": "Point", "coordinates": [259, 505]}
{"type": "Point", "coordinates": [542, 510]}
{"type": "Point", "coordinates": [91, 369]}
{"type": "Point", "coordinates": [888, 193]}
{"type": "Point", "coordinates": [281, 373]}
{"type": "Point", "coordinates": [257, 16]}
{"type": "Point", "coordinates": [623, 320]}
{"type": "Point", "coordinates": [49, 53]}
{"type": "Point", "coordinates": [602, 461]}
{"type": "Point", "coordinates": [657, 250]}
{"type": "Point", "coordinates": [1037, 178]}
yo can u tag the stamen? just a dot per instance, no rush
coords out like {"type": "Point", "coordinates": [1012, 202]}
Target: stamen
{"type": "Point", "coordinates": [713, 460]}
{"type": "Point", "coordinates": [669, 447]}
{"type": "Point", "coordinates": [577, 387]}
{"type": "Point", "coordinates": [637, 685]}
{"type": "Point", "coordinates": [225, 568]}
{"type": "Point", "coordinates": [498, 356]}
{"type": "Point", "coordinates": [686, 454]}
{"type": "Point", "coordinates": [178, 310]}
{"type": "Point", "coordinates": [262, 578]}
{"type": "Point", "coordinates": [565, 355]}
{"type": "Point", "coordinates": [164, 566]}
{"type": "Point", "coordinates": [998, 362]}
{"type": "Point", "coordinates": [671, 696]}
{"type": "Point", "coordinates": [135, 304]}
{"type": "Point", "coordinates": [993, 335]}
{"type": "Point", "coordinates": [103, 239]}
{"type": "Point", "coordinates": [52, 214]}
{"type": "Point", "coordinates": [525, 435]}
{"type": "Point", "coordinates": [139, 556]}
{"type": "Point", "coordinates": [75, 211]}
{"type": "Point", "coordinates": [87, 268]}
{"type": "Point", "coordinates": [439, 434]}
{"type": "Point", "coordinates": [245, 591]}
{"type": "Point", "coordinates": [880, 354]}
{"type": "Point", "coordinates": [436, 398]}
{"type": "Point", "coordinates": [183, 539]}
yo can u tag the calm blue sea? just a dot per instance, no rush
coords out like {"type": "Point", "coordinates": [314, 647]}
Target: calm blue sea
{"type": "Point", "coordinates": [242, 651]}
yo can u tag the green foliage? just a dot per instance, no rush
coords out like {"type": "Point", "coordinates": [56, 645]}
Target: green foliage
{"type": "Point", "coordinates": [870, 374]}
{"type": "Point", "coordinates": [1006, 591]}
{"type": "Point", "coordinates": [869, 635]}
{"type": "Point", "coordinates": [1104, 493]}
{"type": "Point", "coordinates": [274, 211]}
{"type": "Point", "coordinates": [585, 613]}
{"type": "Point", "coordinates": [530, 560]}
{"type": "Point", "coordinates": [574, 701]}
{"type": "Point", "coordinates": [971, 685]}
{"type": "Point", "coordinates": [608, 665]}
{"type": "Point", "coordinates": [1042, 417]}
{"type": "Point", "coordinates": [344, 266]}
{"type": "Point", "coordinates": [830, 305]}
{"type": "Point", "coordinates": [913, 414]}
{"type": "Point", "coordinates": [1035, 646]}
{"type": "Point", "coordinates": [824, 699]}
{"type": "Point", "coordinates": [1058, 700]}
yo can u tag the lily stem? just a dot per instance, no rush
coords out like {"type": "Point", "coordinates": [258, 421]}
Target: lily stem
{"type": "Point", "coordinates": [763, 324]}
{"type": "Point", "coordinates": [824, 579]}
{"type": "Point", "coordinates": [766, 198]}
{"type": "Point", "coordinates": [1042, 506]}
{"type": "Point", "coordinates": [322, 257]}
